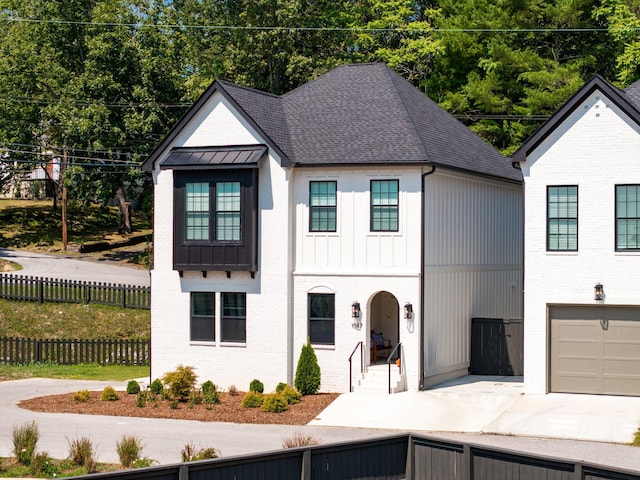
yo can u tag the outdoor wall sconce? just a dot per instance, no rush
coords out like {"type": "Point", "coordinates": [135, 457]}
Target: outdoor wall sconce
{"type": "Point", "coordinates": [598, 292]}
{"type": "Point", "coordinates": [408, 310]}
{"type": "Point", "coordinates": [355, 309]}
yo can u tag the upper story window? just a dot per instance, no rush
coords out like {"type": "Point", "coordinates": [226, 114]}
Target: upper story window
{"type": "Point", "coordinates": [384, 205]}
{"type": "Point", "coordinates": [197, 211]}
{"type": "Point", "coordinates": [562, 218]}
{"type": "Point", "coordinates": [227, 211]}
{"type": "Point", "coordinates": [322, 206]}
{"type": "Point", "coordinates": [203, 316]}
{"type": "Point", "coordinates": [627, 217]}
{"type": "Point", "coordinates": [322, 318]}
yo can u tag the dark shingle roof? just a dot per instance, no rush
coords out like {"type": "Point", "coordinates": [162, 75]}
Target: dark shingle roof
{"type": "Point", "coordinates": [359, 114]}
{"type": "Point", "coordinates": [627, 101]}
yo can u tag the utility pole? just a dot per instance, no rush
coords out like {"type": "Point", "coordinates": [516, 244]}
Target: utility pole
{"type": "Point", "coordinates": [63, 167]}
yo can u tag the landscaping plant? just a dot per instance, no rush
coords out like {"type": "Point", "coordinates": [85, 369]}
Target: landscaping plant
{"type": "Point", "coordinates": [191, 453]}
{"type": "Point", "coordinates": [25, 439]}
{"type": "Point", "coordinates": [133, 387]}
{"type": "Point", "coordinates": [129, 449]}
{"type": "Point", "coordinates": [210, 393]}
{"type": "Point", "coordinates": [307, 379]}
{"type": "Point", "coordinates": [252, 400]}
{"type": "Point", "coordinates": [298, 439]}
{"type": "Point", "coordinates": [274, 403]}
{"type": "Point", "coordinates": [82, 396]}
{"type": "Point", "coordinates": [180, 382]}
{"type": "Point", "coordinates": [109, 394]}
{"type": "Point", "coordinates": [81, 453]}
{"type": "Point", "coordinates": [256, 386]}
{"type": "Point", "coordinates": [156, 386]}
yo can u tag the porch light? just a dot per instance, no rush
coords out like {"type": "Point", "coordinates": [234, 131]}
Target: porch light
{"type": "Point", "coordinates": [355, 309]}
{"type": "Point", "coordinates": [599, 291]}
{"type": "Point", "coordinates": [408, 310]}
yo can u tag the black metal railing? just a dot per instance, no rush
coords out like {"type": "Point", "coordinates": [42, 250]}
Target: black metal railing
{"type": "Point", "coordinates": [361, 345]}
{"type": "Point", "coordinates": [399, 362]}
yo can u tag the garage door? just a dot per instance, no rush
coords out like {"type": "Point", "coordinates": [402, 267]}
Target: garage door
{"type": "Point", "coordinates": [595, 350]}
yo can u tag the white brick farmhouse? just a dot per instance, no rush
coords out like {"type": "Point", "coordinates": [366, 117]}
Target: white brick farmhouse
{"type": "Point", "coordinates": [278, 218]}
{"type": "Point", "coordinates": [582, 245]}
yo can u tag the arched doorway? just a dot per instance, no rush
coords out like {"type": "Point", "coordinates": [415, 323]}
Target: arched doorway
{"type": "Point", "coordinates": [384, 316]}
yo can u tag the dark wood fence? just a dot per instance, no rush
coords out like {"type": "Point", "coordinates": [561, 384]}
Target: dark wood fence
{"type": "Point", "coordinates": [497, 346]}
{"type": "Point", "coordinates": [409, 456]}
{"type": "Point", "coordinates": [21, 351]}
{"type": "Point", "coordinates": [37, 289]}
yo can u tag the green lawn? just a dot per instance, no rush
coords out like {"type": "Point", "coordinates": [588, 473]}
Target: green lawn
{"type": "Point", "coordinates": [119, 373]}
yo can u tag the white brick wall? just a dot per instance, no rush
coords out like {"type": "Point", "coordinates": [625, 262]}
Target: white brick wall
{"type": "Point", "coordinates": [595, 148]}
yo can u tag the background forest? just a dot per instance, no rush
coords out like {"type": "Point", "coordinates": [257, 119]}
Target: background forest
{"type": "Point", "coordinates": [101, 81]}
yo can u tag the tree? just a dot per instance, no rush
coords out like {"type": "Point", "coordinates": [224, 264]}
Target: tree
{"type": "Point", "coordinates": [307, 379]}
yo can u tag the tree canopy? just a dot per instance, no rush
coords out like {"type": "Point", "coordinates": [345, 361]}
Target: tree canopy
{"type": "Point", "coordinates": [103, 80]}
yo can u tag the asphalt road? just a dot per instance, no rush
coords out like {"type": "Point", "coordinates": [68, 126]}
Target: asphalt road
{"type": "Point", "coordinates": [74, 268]}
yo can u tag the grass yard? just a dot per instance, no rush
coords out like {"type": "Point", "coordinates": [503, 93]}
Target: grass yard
{"type": "Point", "coordinates": [116, 373]}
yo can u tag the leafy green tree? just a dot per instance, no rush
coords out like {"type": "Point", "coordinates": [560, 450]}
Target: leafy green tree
{"type": "Point", "coordinates": [307, 379]}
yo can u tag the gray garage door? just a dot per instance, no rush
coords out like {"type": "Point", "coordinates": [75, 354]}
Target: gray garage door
{"type": "Point", "coordinates": [595, 350]}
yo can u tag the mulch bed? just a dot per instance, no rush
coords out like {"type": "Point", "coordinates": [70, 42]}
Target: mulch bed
{"type": "Point", "coordinates": [229, 409]}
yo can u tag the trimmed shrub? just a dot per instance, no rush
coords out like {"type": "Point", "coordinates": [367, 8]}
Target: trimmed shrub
{"type": "Point", "coordinates": [191, 453]}
{"type": "Point", "coordinates": [141, 399]}
{"type": "Point", "coordinates": [25, 439]}
{"type": "Point", "coordinates": [299, 440]}
{"type": "Point", "coordinates": [109, 394]}
{"type": "Point", "coordinates": [81, 453]}
{"type": "Point", "coordinates": [156, 387]}
{"type": "Point", "coordinates": [252, 400]}
{"type": "Point", "coordinates": [291, 395]}
{"type": "Point", "coordinates": [256, 386]}
{"type": "Point", "coordinates": [82, 396]}
{"type": "Point", "coordinates": [307, 379]}
{"type": "Point", "coordinates": [133, 387]}
{"type": "Point", "coordinates": [274, 403]}
{"type": "Point", "coordinates": [195, 398]}
{"type": "Point", "coordinates": [280, 387]}
{"type": "Point", "coordinates": [180, 382]}
{"type": "Point", "coordinates": [129, 449]}
{"type": "Point", "coordinates": [210, 393]}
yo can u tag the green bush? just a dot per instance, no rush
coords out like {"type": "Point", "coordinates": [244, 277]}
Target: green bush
{"type": "Point", "coordinates": [25, 439]}
{"type": "Point", "coordinates": [156, 386]}
{"type": "Point", "coordinates": [256, 386]}
{"type": "Point", "coordinates": [43, 465]}
{"type": "Point", "coordinates": [290, 394]}
{"type": "Point", "coordinates": [210, 393]}
{"type": "Point", "coordinates": [195, 398]}
{"type": "Point", "coordinates": [280, 387]}
{"type": "Point", "coordinates": [252, 400]}
{"type": "Point", "coordinates": [141, 399]}
{"type": "Point", "coordinates": [133, 387]}
{"type": "Point", "coordinates": [82, 396]}
{"type": "Point", "coordinates": [109, 394]}
{"type": "Point", "coordinates": [129, 449]}
{"type": "Point", "coordinates": [180, 382]}
{"type": "Point", "coordinates": [81, 453]}
{"type": "Point", "coordinates": [274, 403]}
{"type": "Point", "coordinates": [191, 453]}
{"type": "Point", "coordinates": [307, 379]}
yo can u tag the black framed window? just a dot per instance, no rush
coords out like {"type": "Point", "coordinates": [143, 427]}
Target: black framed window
{"type": "Point", "coordinates": [322, 318]}
{"type": "Point", "coordinates": [227, 211]}
{"type": "Point", "coordinates": [562, 218]}
{"type": "Point", "coordinates": [384, 205]}
{"type": "Point", "coordinates": [203, 316]}
{"type": "Point", "coordinates": [627, 217]}
{"type": "Point", "coordinates": [197, 211]}
{"type": "Point", "coordinates": [322, 206]}
{"type": "Point", "coordinates": [234, 317]}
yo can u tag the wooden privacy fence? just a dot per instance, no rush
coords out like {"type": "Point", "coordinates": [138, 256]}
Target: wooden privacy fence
{"type": "Point", "coordinates": [37, 289]}
{"type": "Point", "coordinates": [21, 351]}
{"type": "Point", "coordinates": [398, 457]}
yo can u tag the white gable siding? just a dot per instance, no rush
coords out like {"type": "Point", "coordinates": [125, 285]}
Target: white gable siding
{"type": "Point", "coordinates": [473, 264]}
{"type": "Point", "coordinates": [266, 354]}
{"type": "Point", "coordinates": [595, 148]}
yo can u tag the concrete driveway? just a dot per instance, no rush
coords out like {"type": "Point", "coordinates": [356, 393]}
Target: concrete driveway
{"type": "Point", "coordinates": [74, 268]}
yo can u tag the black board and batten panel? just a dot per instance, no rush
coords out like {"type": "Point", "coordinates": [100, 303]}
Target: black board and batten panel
{"type": "Point", "coordinates": [497, 346]}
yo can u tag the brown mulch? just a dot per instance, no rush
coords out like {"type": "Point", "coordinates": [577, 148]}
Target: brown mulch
{"type": "Point", "coordinates": [229, 409]}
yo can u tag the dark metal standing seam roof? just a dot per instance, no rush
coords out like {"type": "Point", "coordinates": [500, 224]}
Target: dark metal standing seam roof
{"type": "Point", "coordinates": [363, 114]}
{"type": "Point", "coordinates": [201, 157]}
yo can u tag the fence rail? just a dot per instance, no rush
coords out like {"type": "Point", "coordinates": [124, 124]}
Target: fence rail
{"type": "Point", "coordinates": [37, 289]}
{"type": "Point", "coordinates": [398, 457]}
{"type": "Point", "coordinates": [21, 351]}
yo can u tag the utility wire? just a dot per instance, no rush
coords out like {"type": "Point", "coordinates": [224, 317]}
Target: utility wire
{"type": "Point", "coordinates": [103, 161]}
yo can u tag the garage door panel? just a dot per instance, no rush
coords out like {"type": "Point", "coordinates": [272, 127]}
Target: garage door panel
{"type": "Point", "coordinates": [595, 350]}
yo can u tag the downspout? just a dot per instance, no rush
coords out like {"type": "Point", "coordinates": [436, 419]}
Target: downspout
{"type": "Point", "coordinates": [422, 255]}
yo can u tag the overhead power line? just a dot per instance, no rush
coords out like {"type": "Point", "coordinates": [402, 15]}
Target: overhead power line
{"type": "Point", "coordinates": [104, 162]}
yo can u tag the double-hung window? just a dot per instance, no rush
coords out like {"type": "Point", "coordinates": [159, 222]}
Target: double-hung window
{"type": "Point", "coordinates": [197, 211]}
{"type": "Point", "coordinates": [234, 317]}
{"type": "Point", "coordinates": [384, 206]}
{"type": "Point", "coordinates": [562, 218]}
{"type": "Point", "coordinates": [228, 211]}
{"type": "Point", "coordinates": [203, 316]}
{"type": "Point", "coordinates": [627, 217]}
{"type": "Point", "coordinates": [322, 206]}
{"type": "Point", "coordinates": [322, 318]}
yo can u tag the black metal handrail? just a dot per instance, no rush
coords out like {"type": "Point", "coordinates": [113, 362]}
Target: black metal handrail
{"type": "Point", "coordinates": [361, 345]}
{"type": "Point", "coordinates": [397, 348]}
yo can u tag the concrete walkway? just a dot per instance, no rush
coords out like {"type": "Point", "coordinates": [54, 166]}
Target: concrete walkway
{"type": "Point", "coordinates": [491, 405]}
{"type": "Point", "coordinates": [486, 411]}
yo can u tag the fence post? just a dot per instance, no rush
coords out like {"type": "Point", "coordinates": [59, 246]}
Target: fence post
{"type": "Point", "coordinates": [40, 291]}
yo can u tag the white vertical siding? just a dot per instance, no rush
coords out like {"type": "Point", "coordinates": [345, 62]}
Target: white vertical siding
{"type": "Point", "coordinates": [473, 263]}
